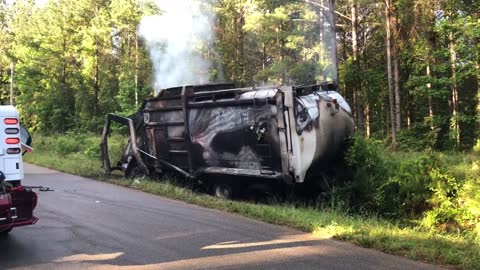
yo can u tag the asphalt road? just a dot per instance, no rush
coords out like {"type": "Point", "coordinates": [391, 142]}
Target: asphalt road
{"type": "Point", "coordinates": [86, 224]}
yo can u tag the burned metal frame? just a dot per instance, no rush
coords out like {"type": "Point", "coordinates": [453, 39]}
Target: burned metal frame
{"type": "Point", "coordinates": [133, 141]}
{"type": "Point", "coordinates": [192, 130]}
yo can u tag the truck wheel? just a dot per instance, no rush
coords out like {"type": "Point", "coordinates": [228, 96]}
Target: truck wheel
{"type": "Point", "coordinates": [135, 172]}
{"type": "Point", "coordinates": [222, 191]}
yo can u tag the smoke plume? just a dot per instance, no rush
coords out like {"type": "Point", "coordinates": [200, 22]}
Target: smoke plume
{"type": "Point", "coordinates": [178, 40]}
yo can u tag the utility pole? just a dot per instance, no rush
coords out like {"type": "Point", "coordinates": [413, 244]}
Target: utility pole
{"type": "Point", "coordinates": [11, 83]}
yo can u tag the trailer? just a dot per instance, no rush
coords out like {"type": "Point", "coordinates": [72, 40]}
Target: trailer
{"type": "Point", "coordinates": [16, 201]}
{"type": "Point", "coordinates": [288, 134]}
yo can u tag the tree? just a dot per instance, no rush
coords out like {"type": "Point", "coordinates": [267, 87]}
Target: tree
{"type": "Point", "coordinates": [391, 92]}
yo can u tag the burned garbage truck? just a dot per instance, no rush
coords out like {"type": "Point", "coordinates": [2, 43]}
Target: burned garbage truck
{"type": "Point", "coordinates": [289, 134]}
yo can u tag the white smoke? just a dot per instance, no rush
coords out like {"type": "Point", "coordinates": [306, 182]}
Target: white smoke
{"type": "Point", "coordinates": [178, 41]}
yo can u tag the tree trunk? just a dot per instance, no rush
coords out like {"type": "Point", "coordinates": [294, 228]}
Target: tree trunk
{"type": "Point", "coordinates": [391, 93]}
{"type": "Point", "coordinates": [453, 60]}
{"type": "Point", "coordinates": [11, 82]}
{"type": "Point", "coordinates": [137, 63]}
{"type": "Point", "coordinates": [367, 122]}
{"type": "Point", "coordinates": [477, 67]}
{"type": "Point", "coordinates": [430, 106]}
{"type": "Point", "coordinates": [264, 56]}
{"type": "Point", "coordinates": [96, 86]}
{"type": "Point", "coordinates": [239, 24]}
{"type": "Point", "coordinates": [396, 64]}
{"type": "Point", "coordinates": [357, 96]}
{"type": "Point", "coordinates": [367, 105]}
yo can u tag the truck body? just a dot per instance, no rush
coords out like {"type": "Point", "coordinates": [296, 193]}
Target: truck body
{"type": "Point", "coordinates": [291, 134]}
{"type": "Point", "coordinates": [16, 202]}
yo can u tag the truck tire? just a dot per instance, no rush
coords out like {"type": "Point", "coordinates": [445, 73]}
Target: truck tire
{"type": "Point", "coordinates": [224, 191]}
{"type": "Point", "coordinates": [134, 171]}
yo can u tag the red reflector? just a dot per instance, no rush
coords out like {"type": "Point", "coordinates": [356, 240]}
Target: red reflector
{"type": "Point", "coordinates": [12, 140]}
{"type": "Point", "coordinates": [10, 121]}
{"type": "Point", "coordinates": [12, 151]}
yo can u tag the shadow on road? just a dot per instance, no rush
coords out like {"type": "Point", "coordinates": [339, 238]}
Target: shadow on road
{"type": "Point", "coordinates": [235, 253]}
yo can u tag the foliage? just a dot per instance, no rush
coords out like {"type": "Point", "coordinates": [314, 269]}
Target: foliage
{"type": "Point", "coordinates": [393, 186]}
{"type": "Point", "coordinates": [365, 158]}
{"type": "Point", "coordinates": [476, 147]}
{"type": "Point", "coordinates": [440, 190]}
{"type": "Point", "coordinates": [74, 61]}
{"type": "Point", "coordinates": [75, 145]}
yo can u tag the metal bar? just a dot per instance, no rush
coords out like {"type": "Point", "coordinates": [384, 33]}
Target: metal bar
{"type": "Point", "coordinates": [173, 167]}
{"type": "Point", "coordinates": [169, 165]}
{"type": "Point", "coordinates": [173, 97]}
{"type": "Point", "coordinates": [11, 83]}
{"type": "Point", "coordinates": [147, 154]}
{"type": "Point", "coordinates": [283, 138]}
{"type": "Point", "coordinates": [165, 109]}
{"type": "Point", "coordinates": [135, 149]}
{"type": "Point", "coordinates": [241, 172]}
{"type": "Point", "coordinates": [164, 124]}
{"type": "Point", "coordinates": [104, 147]}
{"type": "Point", "coordinates": [133, 140]}
{"type": "Point", "coordinates": [186, 131]}
{"type": "Point", "coordinates": [235, 90]}
{"type": "Point", "coordinates": [226, 103]}
{"type": "Point", "coordinates": [211, 93]}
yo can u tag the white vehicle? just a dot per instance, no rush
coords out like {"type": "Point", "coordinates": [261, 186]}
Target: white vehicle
{"type": "Point", "coordinates": [16, 201]}
{"type": "Point", "coordinates": [14, 139]}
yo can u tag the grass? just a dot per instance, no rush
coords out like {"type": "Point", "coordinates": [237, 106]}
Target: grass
{"type": "Point", "coordinates": [370, 232]}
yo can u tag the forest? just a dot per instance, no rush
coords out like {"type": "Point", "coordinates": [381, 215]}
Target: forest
{"type": "Point", "coordinates": [409, 68]}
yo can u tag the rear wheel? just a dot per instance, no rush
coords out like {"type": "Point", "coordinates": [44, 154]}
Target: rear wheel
{"type": "Point", "coordinates": [222, 190]}
{"type": "Point", "coordinates": [135, 172]}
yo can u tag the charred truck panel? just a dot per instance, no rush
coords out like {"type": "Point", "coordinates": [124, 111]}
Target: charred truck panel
{"type": "Point", "coordinates": [284, 133]}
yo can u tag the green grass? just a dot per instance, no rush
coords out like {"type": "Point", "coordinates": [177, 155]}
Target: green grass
{"type": "Point", "coordinates": [410, 241]}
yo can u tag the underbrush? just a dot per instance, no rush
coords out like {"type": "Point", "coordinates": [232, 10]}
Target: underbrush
{"type": "Point", "coordinates": [423, 205]}
{"type": "Point", "coordinates": [76, 154]}
{"type": "Point", "coordinates": [440, 191]}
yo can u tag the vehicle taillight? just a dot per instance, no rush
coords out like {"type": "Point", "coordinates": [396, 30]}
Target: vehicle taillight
{"type": "Point", "coordinates": [12, 140]}
{"type": "Point", "coordinates": [12, 151]}
{"type": "Point", "coordinates": [11, 130]}
{"type": "Point", "coordinates": [10, 121]}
